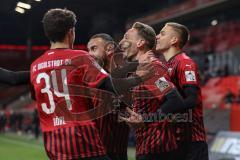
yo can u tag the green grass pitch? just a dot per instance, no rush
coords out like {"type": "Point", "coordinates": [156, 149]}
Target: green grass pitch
{"type": "Point", "coordinates": [15, 147]}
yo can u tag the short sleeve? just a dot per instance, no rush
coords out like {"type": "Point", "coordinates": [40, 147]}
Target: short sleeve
{"type": "Point", "coordinates": [187, 73]}
{"type": "Point", "coordinates": [159, 84]}
{"type": "Point", "coordinates": [161, 78]}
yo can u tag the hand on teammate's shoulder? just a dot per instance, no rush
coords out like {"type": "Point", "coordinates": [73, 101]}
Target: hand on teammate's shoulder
{"type": "Point", "coordinates": [147, 57]}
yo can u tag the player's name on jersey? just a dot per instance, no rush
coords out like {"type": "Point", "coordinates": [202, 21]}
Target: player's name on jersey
{"type": "Point", "coordinates": [57, 121]}
{"type": "Point", "coordinates": [52, 63]}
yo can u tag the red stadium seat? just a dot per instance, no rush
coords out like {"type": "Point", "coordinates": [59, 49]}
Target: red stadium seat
{"type": "Point", "coordinates": [215, 89]}
{"type": "Point", "coordinates": [235, 117]}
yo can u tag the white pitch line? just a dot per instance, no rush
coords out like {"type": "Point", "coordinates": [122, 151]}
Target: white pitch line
{"type": "Point", "coordinates": [21, 143]}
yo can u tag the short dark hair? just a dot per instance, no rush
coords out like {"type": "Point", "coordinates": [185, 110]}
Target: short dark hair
{"type": "Point", "coordinates": [146, 32]}
{"type": "Point", "coordinates": [182, 31]}
{"type": "Point", "coordinates": [57, 22]}
{"type": "Point", "coordinates": [104, 36]}
{"type": "Point", "coordinates": [107, 38]}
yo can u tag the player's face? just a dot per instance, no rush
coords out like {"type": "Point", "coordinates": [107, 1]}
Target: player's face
{"type": "Point", "coordinates": [96, 48]}
{"type": "Point", "coordinates": [129, 43]}
{"type": "Point", "coordinates": [165, 38]}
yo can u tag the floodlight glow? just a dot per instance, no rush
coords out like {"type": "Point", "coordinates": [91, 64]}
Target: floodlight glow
{"type": "Point", "coordinates": [24, 5]}
{"type": "Point", "coordinates": [214, 22]}
{"type": "Point", "coordinates": [19, 10]}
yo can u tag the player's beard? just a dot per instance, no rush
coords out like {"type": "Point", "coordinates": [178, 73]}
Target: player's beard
{"type": "Point", "coordinates": [106, 64]}
{"type": "Point", "coordinates": [101, 61]}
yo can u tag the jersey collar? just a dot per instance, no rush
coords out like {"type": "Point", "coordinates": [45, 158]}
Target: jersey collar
{"type": "Point", "coordinates": [180, 52]}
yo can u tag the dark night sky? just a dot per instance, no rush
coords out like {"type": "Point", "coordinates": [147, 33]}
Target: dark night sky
{"type": "Point", "coordinates": [94, 16]}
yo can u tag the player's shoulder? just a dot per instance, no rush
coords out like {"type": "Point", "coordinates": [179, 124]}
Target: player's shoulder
{"type": "Point", "coordinates": [80, 56]}
{"type": "Point", "coordinates": [183, 57]}
{"type": "Point", "coordinates": [188, 67]}
{"type": "Point", "coordinates": [81, 53]}
{"type": "Point", "coordinates": [185, 60]}
{"type": "Point", "coordinates": [76, 53]}
{"type": "Point", "coordinates": [159, 64]}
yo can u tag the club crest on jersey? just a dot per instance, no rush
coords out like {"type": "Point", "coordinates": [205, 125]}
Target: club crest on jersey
{"type": "Point", "coordinates": [162, 84]}
{"type": "Point", "coordinates": [190, 76]}
{"type": "Point", "coordinates": [170, 70]}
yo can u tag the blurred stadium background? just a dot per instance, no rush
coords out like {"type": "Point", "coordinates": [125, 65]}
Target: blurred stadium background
{"type": "Point", "coordinates": [214, 45]}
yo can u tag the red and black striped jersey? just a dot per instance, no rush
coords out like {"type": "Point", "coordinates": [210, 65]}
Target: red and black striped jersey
{"type": "Point", "coordinates": [63, 80]}
{"type": "Point", "coordinates": [184, 71]}
{"type": "Point", "coordinates": [158, 135]}
{"type": "Point", "coordinates": [74, 142]}
{"type": "Point", "coordinates": [114, 134]}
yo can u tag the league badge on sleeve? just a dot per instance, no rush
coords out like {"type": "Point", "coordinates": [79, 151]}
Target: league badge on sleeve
{"type": "Point", "coordinates": [190, 76]}
{"type": "Point", "coordinates": [162, 84]}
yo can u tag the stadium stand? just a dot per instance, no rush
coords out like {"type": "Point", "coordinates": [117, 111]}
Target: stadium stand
{"type": "Point", "coordinates": [214, 45]}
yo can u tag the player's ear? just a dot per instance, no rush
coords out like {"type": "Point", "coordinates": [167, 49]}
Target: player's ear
{"type": "Point", "coordinates": [71, 37]}
{"type": "Point", "coordinates": [71, 31]}
{"type": "Point", "coordinates": [110, 47]}
{"type": "Point", "coordinates": [174, 40]}
{"type": "Point", "coordinates": [141, 43]}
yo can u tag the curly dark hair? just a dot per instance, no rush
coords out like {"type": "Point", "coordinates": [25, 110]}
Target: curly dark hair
{"type": "Point", "coordinates": [57, 22]}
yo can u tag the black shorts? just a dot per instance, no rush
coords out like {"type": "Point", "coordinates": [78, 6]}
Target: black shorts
{"type": "Point", "coordinates": [182, 150]}
{"type": "Point", "coordinates": [159, 156]}
{"type": "Point", "coordinates": [197, 151]}
{"type": "Point", "coordinates": [118, 156]}
{"type": "Point", "coordinates": [97, 158]}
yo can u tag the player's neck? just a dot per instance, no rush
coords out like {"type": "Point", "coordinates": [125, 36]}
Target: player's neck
{"type": "Point", "coordinates": [55, 45]}
{"type": "Point", "coordinates": [168, 54]}
{"type": "Point", "coordinates": [107, 65]}
{"type": "Point", "coordinates": [140, 52]}
{"type": "Point", "coordinates": [132, 58]}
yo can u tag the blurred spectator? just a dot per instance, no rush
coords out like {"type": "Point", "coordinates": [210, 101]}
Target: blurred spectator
{"type": "Point", "coordinates": [238, 97]}
{"type": "Point", "coordinates": [19, 120]}
{"type": "Point", "coordinates": [229, 99]}
{"type": "Point", "coordinates": [131, 139]}
{"type": "Point", "coordinates": [36, 124]}
{"type": "Point", "coordinates": [3, 121]}
{"type": "Point", "coordinates": [12, 121]}
{"type": "Point", "coordinates": [225, 71]}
